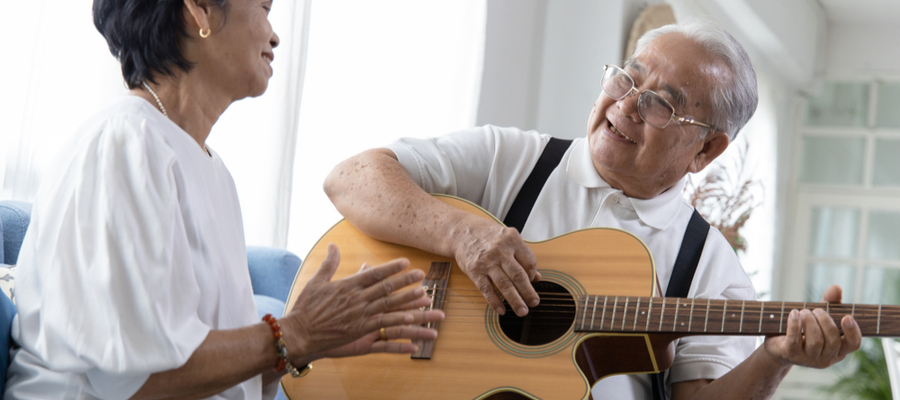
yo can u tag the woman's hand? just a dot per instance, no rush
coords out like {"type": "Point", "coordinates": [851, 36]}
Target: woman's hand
{"type": "Point", "coordinates": [344, 317]}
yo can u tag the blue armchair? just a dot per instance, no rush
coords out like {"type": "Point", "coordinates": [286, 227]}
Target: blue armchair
{"type": "Point", "coordinates": [272, 273]}
{"type": "Point", "coordinates": [14, 219]}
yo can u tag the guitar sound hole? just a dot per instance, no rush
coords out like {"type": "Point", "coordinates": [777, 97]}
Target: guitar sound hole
{"type": "Point", "coordinates": [545, 323]}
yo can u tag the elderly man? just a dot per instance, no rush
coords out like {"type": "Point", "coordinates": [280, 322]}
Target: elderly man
{"type": "Point", "coordinates": [672, 110]}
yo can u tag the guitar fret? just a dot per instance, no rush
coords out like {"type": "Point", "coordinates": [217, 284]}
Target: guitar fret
{"type": "Point", "coordinates": [636, 308]}
{"type": "Point", "coordinates": [625, 313]}
{"type": "Point", "coordinates": [781, 319]}
{"type": "Point", "coordinates": [603, 317]}
{"type": "Point", "coordinates": [706, 320]}
{"type": "Point", "coordinates": [762, 306]}
{"type": "Point", "coordinates": [649, 313]}
{"type": "Point", "coordinates": [878, 326]}
{"type": "Point", "coordinates": [612, 320]}
{"type": "Point", "coordinates": [662, 312]}
{"type": "Point", "coordinates": [583, 316]}
{"type": "Point", "coordinates": [594, 313]}
{"type": "Point", "coordinates": [675, 321]}
{"type": "Point", "coordinates": [741, 326]}
{"type": "Point", "coordinates": [691, 317]}
{"type": "Point", "coordinates": [724, 307]}
{"type": "Point", "coordinates": [853, 311]}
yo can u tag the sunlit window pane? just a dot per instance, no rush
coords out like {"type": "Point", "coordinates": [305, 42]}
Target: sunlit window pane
{"type": "Point", "coordinates": [888, 105]}
{"type": "Point", "coordinates": [834, 232]}
{"type": "Point", "coordinates": [821, 275]}
{"type": "Point", "coordinates": [839, 104]}
{"type": "Point", "coordinates": [883, 236]}
{"type": "Point", "coordinates": [887, 169]}
{"type": "Point", "coordinates": [881, 285]}
{"type": "Point", "coordinates": [831, 160]}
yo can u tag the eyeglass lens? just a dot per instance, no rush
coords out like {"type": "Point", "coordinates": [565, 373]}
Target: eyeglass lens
{"type": "Point", "coordinates": [652, 108]}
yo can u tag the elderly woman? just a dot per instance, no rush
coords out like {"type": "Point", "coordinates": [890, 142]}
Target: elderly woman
{"type": "Point", "coordinates": [133, 278]}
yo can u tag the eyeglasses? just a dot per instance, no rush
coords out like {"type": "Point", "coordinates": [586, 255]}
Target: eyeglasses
{"type": "Point", "coordinates": [652, 108]}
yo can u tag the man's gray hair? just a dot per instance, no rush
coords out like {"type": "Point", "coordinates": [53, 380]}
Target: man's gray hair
{"type": "Point", "coordinates": [734, 102]}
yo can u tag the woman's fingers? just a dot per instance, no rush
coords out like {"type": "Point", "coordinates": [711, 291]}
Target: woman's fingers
{"type": "Point", "coordinates": [329, 266]}
{"type": "Point", "coordinates": [397, 318]}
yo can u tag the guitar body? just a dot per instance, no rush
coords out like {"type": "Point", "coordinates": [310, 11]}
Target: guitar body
{"type": "Point", "coordinates": [473, 357]}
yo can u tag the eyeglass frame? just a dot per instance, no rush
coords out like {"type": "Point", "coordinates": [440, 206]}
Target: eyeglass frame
{"type": "Point", "coordinates": [634, 89]}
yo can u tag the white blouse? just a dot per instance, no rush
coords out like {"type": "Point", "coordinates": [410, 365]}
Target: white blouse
{"type": "Point", "coordinates": [134, 253]}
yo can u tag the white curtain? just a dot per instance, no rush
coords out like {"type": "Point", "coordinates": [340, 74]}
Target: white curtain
{"type": "Point", "coordinates": [58, 71]}
{"type": "Point", "coordinates": [378, 71]}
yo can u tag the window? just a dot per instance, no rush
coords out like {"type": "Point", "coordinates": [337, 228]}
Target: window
{"type": "Point", "coordinates": [848, 194]}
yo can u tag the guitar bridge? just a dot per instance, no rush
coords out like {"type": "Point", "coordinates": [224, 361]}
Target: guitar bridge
{"type": "Point", "coordinates": [435, 285]}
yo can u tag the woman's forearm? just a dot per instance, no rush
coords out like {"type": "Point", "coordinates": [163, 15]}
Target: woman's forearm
{"type": "Point", "coordinates": [225, 359]}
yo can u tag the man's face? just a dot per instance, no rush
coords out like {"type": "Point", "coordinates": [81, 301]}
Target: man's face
{"type": "Point", "coordinates": [643, 160]}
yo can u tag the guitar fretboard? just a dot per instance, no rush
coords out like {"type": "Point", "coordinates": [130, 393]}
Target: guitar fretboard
{"type": "Point", "coordinates": [718, 317]}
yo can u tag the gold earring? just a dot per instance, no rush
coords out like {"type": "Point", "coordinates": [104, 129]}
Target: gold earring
{"type": "Point", "coordinates": [206, 35]}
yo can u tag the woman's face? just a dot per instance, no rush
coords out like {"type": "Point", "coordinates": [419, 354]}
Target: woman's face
{"type": "Point", "coordinates": [238, 53]}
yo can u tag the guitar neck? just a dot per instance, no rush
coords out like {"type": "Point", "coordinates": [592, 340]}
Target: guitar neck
{"type": "Point", "coordinates": [718, 317]}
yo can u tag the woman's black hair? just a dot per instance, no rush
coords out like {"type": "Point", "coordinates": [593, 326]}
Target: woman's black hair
{"type": "Point", "coordinates": [145, 36]}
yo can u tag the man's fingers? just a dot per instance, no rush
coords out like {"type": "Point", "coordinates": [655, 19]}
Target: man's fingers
{"type": "Point", "coordinates": [831, 333]}
{"type": "Point", "coordinates": [525, 257]}
{"type": "Point", "coordinates": [833, 294]}
{"type": "Point", "coordinates": [486, 287]}
{"type": "Point", "coordinates": [509, 291]}
{"type": "Point", "coordinates": [522, 282]}
{"type": "Point", "coordinates": [793, 336]}
{"type": "Point", "coordinates": [852, 336]}
{"type": "Point", "coordinates": [813, 339]}
{"type": "Point", "coordinates": [329, 265]}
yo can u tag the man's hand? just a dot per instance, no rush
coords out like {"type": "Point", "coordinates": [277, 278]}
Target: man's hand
{"type": "Point", "coordinates": [494, 256]}
{"type": "Point", "coordinates": [813, 339]}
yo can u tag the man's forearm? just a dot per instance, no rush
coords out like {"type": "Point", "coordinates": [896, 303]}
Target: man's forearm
{"type": "Point", "coordinates": [377, 195]}
{"type": "Point", "coordinates": [756, 378]}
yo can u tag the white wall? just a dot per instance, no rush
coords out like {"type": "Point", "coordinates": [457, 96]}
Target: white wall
{"type": "Point", "coordinates": [544, 58]}
{"type": "Point", "coordinates": [862, 49]}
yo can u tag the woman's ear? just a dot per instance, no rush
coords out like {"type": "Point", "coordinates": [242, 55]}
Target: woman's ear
{"type": "Point", "coordinates": [714, 144]}
{"type": "Point", "coordinates": [198, 16]}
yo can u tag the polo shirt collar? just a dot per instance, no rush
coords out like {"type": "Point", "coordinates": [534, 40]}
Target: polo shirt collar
{"type": "Point", "coordinates": [658, 212]}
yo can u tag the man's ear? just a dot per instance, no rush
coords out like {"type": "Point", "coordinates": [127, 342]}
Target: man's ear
{"type": "Point", "coordinates": [199, 12]}
{"type": "Point", "coordinates": [714, 144]}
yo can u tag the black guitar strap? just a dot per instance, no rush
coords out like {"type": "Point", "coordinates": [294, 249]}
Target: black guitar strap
{"type": "Point", "coordinates": [524, 202]}
{"type": "Point", "coordinates": [685, 263]}
{"type": "Point", "coordinates": [680, 280]}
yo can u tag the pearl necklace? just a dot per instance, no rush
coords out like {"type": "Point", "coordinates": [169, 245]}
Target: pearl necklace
{"type": "Point", "coordinates": [165, 114]}
{"type": "Point", "coordinates": [159, 103]}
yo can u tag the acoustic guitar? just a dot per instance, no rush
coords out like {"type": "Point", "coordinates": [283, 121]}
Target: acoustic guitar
{"type": "Point", "coordinates": [599, 316]}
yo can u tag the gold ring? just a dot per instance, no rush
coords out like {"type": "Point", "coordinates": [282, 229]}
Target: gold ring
{"type": "Point", "coordinates": [382, 336]}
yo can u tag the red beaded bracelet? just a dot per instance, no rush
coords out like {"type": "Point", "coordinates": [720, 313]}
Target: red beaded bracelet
{"type": "Point", "coordinates": [281, 348]}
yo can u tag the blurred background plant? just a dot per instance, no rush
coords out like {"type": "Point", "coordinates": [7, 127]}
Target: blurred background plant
{"type": "Point", "coordinates": [867, 378]}
{"type": "Point", "coordinates": [727, 195]}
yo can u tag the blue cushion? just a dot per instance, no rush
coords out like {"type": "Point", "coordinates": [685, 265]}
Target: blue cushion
{"type": "Point", "coordinates": [2, 259]}
{"type": "Point", "coordinates": [268, 305]}
{"type": "Point", "coordinates": [15, 216]}
{"type": "Point", "coordinates": [7, 311]}
{"type": "Point", "coordinates": [272, 271]}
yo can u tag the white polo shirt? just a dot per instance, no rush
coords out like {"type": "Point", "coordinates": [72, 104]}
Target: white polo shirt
{"type": "Point", "coordinates": [489, 165]}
